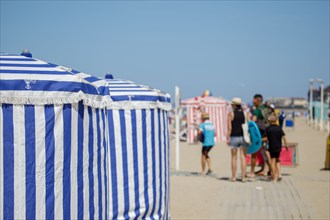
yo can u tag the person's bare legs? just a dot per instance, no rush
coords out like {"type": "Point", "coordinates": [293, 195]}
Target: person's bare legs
{"type": "Point", "coordinates": [266, 166]}
{"type": "Point", "coordinates": [233, 163]}
{"type": "Point", "coordinates": [268, 159]}
{"type": "Point", "coordinates": [208, 161]}
{"type": "Point", "coordinates": [243, 162]}
{"type": "Point", "coordinates": [203, 164]}
{"type": "Point", "coordinates": [253, 165]}
{"type": "Point", "coordinates": [274, 173]}
{"type": "Point", "coordinates": [278, 166]}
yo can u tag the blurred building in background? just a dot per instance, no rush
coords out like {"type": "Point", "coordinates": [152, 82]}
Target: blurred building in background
{"type": "Point", "coordinates": [290, 102]}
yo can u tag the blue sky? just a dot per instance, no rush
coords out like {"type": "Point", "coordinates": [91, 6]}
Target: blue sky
{"type": "Point", "coordinates": [233, 48]}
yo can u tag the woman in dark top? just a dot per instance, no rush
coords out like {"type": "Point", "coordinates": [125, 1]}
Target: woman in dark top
{"type": "Point", "coordinates": [235, 137]}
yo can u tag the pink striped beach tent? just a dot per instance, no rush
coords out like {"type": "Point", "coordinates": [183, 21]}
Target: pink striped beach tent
{"type": "Point", "coordinates": [217, 109]}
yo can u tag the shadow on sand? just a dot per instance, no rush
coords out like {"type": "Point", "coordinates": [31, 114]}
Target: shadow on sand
{"type": "Point", "coordinates": [216, 177]}
{"type": "Point", "coordinates": [198, 174]}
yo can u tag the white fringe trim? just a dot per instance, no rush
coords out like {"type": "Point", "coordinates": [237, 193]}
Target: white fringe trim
{"type": "Point", "coordinates": [140, 105]}
{"type": "Point", "coordinates": [89, 100]}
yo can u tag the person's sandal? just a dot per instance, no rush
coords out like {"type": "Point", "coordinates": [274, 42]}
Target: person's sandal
{"type": "Point", "coordinates": [250, 176]}
{"type": "Point", "coordinates": [232, 179]}
{"type": "Point", "coordinates": [209, 172]}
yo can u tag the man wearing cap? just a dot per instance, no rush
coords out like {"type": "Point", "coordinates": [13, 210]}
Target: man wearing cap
{"type": "Point", "coordinates": [208, 131]}
{"type": "Point", "coordinates": [235, 137]}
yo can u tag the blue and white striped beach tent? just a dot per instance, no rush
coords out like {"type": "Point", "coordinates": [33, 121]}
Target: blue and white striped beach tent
{"type": "Point", "coordinates": [53, 145]}
{"type": "Point", "coordinates": [73, 146]}
{"type": "Point", "coordinates": [139, 151]}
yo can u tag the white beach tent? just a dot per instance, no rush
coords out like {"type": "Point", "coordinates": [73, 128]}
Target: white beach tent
{"type": "Point", "coordinates": [139, 151]}
{"type": "Point", "coordinates": [53, 148]}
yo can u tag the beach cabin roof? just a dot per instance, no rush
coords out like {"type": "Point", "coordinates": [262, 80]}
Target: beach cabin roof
{"type": "Point", "coordinates": [126, 94]}
{"type": "Point", "coordinates": [206, 100]}
{"type": "Point", "coordinates": [26, 80]}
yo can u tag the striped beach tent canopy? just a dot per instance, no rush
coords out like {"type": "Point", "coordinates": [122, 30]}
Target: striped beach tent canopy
{"type": "Point", "coordinates": [127, 94]}
{"type": "Point", "coordinates": [204, 100]}
{"type": "Point", "coordinates": [217, 109]}
{"type": "Point", "coordinates": [139, 151]}
{"type": "Point", "coordinates": [53, 144]}
{"type": "Point", "coordinates": [26, 80]}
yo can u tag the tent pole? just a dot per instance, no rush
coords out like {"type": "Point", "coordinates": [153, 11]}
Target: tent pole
{"type": "Point", "coordinates": [322, 104]}
{"type": "Point", "coordinates": [177, 127]}
{"type": "Point", "coordinates": [311, 102]}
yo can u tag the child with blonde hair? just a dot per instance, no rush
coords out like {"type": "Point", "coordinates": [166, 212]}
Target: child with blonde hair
{"type": "Point", "coordinates": [275, 135]}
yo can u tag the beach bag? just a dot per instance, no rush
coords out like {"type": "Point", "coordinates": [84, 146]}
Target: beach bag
{"type": "Point", "coordinates": [201, 137]}
{"type": "Point", "coordinates": [246, 133]}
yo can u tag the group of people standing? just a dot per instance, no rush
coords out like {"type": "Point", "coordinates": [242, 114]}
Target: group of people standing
{"type": "Point", "coordinates": [270, 128]}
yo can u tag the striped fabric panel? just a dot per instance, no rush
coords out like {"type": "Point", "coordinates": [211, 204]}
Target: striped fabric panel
{"type": "Point", "coordinates": [216, 107]}
{"type": "Point", "coordinates": [218, 116]}
{"type": "Point", "coordinates": [8, 163]}
{"type": "Point", "coordinates": [167, 166]}
{"type": "Point", "coordinates": [105, 165]}
{"type": "Point", "coordinates": [41, 174]}
{"type": "Point", "coordinates": [139, 157]}
{"type": "Point", "coordinates": [124, 90]}
{"type": "Point", "coordinates": [2, 161]}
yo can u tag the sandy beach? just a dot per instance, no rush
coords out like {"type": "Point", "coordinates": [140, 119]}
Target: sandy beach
{"type": "Point", "coordinates": [303, 193]}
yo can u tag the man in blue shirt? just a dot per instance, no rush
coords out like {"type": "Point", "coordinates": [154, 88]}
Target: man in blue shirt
{"type": "Point", "coordinates": [208, 131]}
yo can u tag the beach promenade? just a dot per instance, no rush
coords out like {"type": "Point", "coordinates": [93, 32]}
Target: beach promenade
{"type": "Point", "coordinates": [303, 192]}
